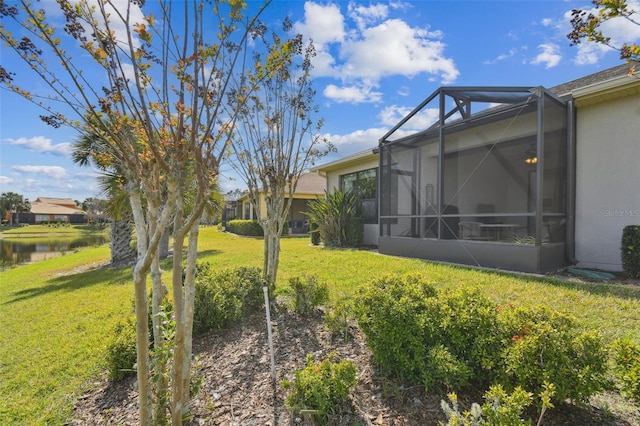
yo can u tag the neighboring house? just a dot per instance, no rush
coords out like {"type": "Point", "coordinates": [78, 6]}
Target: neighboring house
{"type": "Point", "coordinates": [59, 210]}
{"type": "Point", "coordinates": [230, 210]}
{"type": "Point", "coordinates": [311, 186]}
{"type": "Point", "coordinates": [520, 178]}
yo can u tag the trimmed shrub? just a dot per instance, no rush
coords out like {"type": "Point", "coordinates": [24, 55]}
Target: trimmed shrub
{"type": "Point", "coordinates": [320, 387]}
{"type": "Point", "coordinates": [306, 293]}
{"type": "Point", "coordinates": [440, 340]}
{"type": "Point", "coordinates": [547, 347]}
{"type": "Point", "coordinates": [630, 250]}
{"type": "Point", "coordinates": [459, 338]}
{"type": "Point", "coordinates": [223, 297]}
{"type": "Point", "coordinates": [626, 367]}
{"type": "Point", "coordinates": [245, 227]}
{"type": "Point", "coordinates": [121, 350]}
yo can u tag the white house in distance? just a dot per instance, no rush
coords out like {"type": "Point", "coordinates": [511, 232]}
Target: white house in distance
{"type": "Point", "coordinates": [519, 178]}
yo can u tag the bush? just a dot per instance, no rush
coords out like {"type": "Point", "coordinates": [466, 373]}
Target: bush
{"type": "Point", "coordinates": [630, 250]}
{"type": "Point", "coordinates": [315, 233]}
{"type": "Point", "coordinates": [626, 367]}
{"type": "Point", "coordinates": [306, 293]}
{"type": "Point", "coordinates": [121, 351]}
{"type": "Point", "coordinates": [245, 227]}
{"type": "Point", "coordinates": [319, 388]}
{"type": "Point", "coordinates": [388, 313]}
{"type": "Point", "coordinates": [459, 338]}
{"type": "Point", "coordinates": [547, 347]}
{"type": "Point", "coordinates": [416, 334]}
{"type": "Point", "coordinates": [222, 297]}
{"type": "Point", "coordinates": [500, 409]}
{"type": "Point", "coordinates": [337, 218]}
{"type": "Point", "coordinates": [337, 318]}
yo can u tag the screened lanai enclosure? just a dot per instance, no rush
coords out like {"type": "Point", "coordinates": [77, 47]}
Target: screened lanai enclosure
{"type": "Point", "coordinates": [488, 182]}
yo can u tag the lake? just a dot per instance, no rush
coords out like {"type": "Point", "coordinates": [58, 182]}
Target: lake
{"type": "Point", "coordinates": [25, 250]}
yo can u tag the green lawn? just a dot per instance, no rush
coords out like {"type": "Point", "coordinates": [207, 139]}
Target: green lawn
{"type": "Point", "coordinates": [31, 230]}
{"type": "Point", "coordinates": [54, 322]}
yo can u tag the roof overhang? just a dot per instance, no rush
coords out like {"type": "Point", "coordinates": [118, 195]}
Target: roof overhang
{"type": "Point", "coordinates": [628, 85]}
{"type": "Point", "coordinates": [352, 160]}
{"type": "Point", "coordinates": [619, 87]}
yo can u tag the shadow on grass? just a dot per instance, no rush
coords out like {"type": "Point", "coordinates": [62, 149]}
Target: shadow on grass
{"type": "Point", "coordinates": [600, 288]}
{"type": "Point", "coordinates": [74, 282]}
{"type": "Point", "coordinates": [205, 253]}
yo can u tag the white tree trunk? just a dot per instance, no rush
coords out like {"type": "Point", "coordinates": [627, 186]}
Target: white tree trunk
{"type": "Point", "coordinates": [142, 315]}
{"type": "Point", "coordinates": [189, 300]}
{"type": "Point", "coordinates": [177, 385]}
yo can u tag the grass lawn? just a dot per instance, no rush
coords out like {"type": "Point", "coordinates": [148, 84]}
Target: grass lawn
{"type": "Point", "coordinates": [56, 316]}
{"type": "Point", "coordinates": [39, 230]}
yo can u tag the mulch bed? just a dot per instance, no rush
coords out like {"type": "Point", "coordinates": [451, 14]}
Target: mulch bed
{"type": "Point", "coordinates": [237, 388]}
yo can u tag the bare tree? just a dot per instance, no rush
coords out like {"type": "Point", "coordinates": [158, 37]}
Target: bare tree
{"type": "Point", "coordinates": [277, 137]}
{"type": "Point", "coordinates": [155, 91]}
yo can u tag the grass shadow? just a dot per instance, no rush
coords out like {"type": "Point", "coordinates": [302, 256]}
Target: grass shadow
{"type": "Point", "coordinates": [73, 282]}
{"type": "Point", "coordinates": [599, 288]}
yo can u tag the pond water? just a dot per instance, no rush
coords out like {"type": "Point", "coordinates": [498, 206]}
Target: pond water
{"type": "Point", "coordinates": [24, 250]}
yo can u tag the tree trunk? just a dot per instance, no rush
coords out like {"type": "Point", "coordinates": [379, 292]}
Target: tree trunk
{"type": "Point", "coordinates": [164, 243]}
{"type": "Point", "coordinates": [121, 250]}
{"type": "Point", "coordinates": [177, 386]}
{"type": "Point", "coordinates": [142, 345]}
{"type": "Point", "coordinates": [189, 300]}
{"type": "Point", "coordinates": [273, 227]}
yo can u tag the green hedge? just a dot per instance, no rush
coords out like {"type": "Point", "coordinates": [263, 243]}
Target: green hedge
{"type": "Point", "coordinates": [630, 250]}
{"type": "Point", "coordinates": [245, 227]}
{"type": "Point", "coordinates": [457, 339]}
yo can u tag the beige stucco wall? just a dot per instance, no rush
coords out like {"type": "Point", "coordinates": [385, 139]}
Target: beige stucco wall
{"type": "Point", "coordinates": [607, 179]}
{"type": "Point", "coordinates": [371, 231]}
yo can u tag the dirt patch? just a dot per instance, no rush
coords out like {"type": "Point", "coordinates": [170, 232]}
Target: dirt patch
{"type": "Point", "coordinates": [237, 388]}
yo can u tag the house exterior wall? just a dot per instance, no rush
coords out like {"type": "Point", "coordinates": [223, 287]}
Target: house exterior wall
{"type": "Point", "coordinates": [371, 230]}
{"type": "Point", "coordinates": [607, 180]}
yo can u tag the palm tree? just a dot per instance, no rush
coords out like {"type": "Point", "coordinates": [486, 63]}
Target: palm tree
{"type": "Point", "coordinates": [88, 149]}
{"type": "Point", "coordinates": [11, 203]}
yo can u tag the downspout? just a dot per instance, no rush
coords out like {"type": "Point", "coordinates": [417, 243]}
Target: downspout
{"type": "Point", "coordinates": [539, 165]}
{"type": "Point", "coordinates": [441, 162]}
{"type": "Point", "coordinates": [570, 229]}
{"type": "Point", "coordinates": [380, 151]}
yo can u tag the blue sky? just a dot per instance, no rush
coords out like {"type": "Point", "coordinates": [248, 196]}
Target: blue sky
{"type": "Point", "coordinates": [376, 61]}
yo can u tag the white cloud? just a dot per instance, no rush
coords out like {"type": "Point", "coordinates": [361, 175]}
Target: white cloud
{"type": "Point", "coordinates": [5, 180]}
{"type": "Point", "coordinates": [351, 94]}
{"type": "Point", "coordinates": [393, 114]}
{"type": "Point", "coordinates": [323, 24]}
{"type": "Point", "coordinates": [357, 140]}
{"type": "Point", "coordinates": [375, 48]}
{"type": "Point", "coordinates": [42, 144]}
{"type": "Point", "coordinates": [367, 15]}
{"type": "Point", "coordinates": [550, 55]}
{"type": "Point", "coordinates": [395, 48]}
{"type": "Point", "coordinates": [510, 54]}
{"type": "Point", "coordinates": [590, 53]}
{"type": "Point", "coordinates": [55, 172]}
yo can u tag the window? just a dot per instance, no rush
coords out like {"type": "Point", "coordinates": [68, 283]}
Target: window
{"type": "Point", "coordinates": [247, 210]}
{"type": "Point", "coordinates": [365, 185]}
